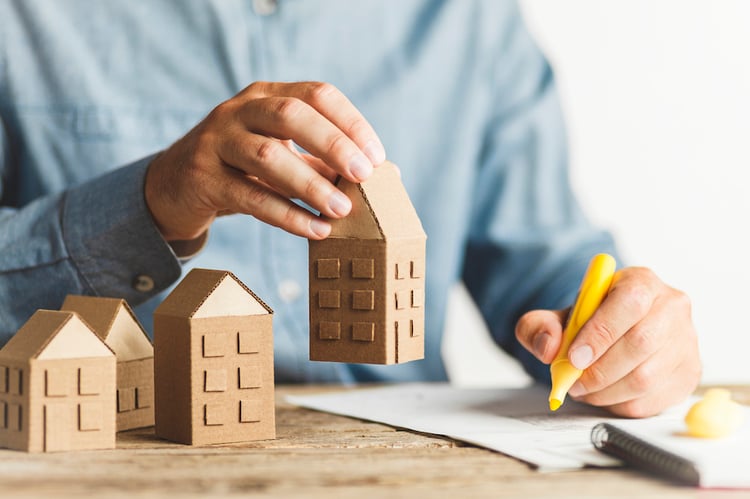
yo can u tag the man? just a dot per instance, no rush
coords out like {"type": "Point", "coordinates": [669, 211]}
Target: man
{"type": "Point", "coordinates": [456, 93]}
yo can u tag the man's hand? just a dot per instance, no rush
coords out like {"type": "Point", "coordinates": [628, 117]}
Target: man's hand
{"type": "Point", "coordinates": [639, 349]}
{"type": "Point", "coordinates": [241, 159]}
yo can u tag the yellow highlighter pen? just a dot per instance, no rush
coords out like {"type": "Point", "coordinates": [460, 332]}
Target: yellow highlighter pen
{"type": "Point", "coordinates": [594, 288]}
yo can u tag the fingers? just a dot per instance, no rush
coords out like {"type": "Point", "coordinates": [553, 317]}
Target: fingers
{"type": "Point", "coordinates": [245, 195]}
{"type": "Point", "coordinates": [332, 104]}
{"type": "Point", "coordinates": [288, 173]}
{"type": "Point", "coordinates": [540, 332]}
{"type": "Point", "coordinates": [629, 300]}
{"type": "Point", "coordinates": [665, 390]}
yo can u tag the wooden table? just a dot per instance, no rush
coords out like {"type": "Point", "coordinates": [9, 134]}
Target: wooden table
{"type": "Point", "coordinates": [315, 455]}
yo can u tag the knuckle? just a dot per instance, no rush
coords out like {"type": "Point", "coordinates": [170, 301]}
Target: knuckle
{"type": "Point", "coordinates": [268, 151]}
{"type": "Point", "coordinates": [314, 187]}
{"type": "Point", "coordinates": [256, 88]}
{"type": "Point", "coordinates": [682, 300]}
{"type": "Point", "coordinates": [638, 299]}
{"type": "Point", "coordinates": [642, 339]}
{"type": "Point", "coordinates": [603, 333]}
{"type": "Point", "coordinates": [223, 111]}
{"type": "Point", "coordinates": [319, 92]}
{"type": "Point", "coordinates": [357, 127]}
{"type": "Point", "coordinates": [287, 109]}
{"type": "Point", "coordinates": [641, 379]}
{"type": "Point", "coordinates": [594, 378]}
{"type": "Point", "coordinates": [291, 218]}
{"type": "Point", "coordinates": [257, 197]}
{"type": "Point", "coordinates": [336, 145]}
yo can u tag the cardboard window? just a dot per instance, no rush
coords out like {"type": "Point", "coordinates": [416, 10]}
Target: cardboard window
{"type": "Point", "coordinates": [401, 270]}
{"type": "Point", "coordinates": [249, 377]}
{"type": "Point", "coordinates": [417, 298]}
{"type": "Point", "coordinates": [402, 300]}
{"type": "Point", "coordinates": [329, 268]}
{"type": "Point", "coordinates": [213, 415]}
{"type": "Point", "coordinates": [15, 381]}
{"type": "Point", "coordinates": [363, 299]}
{"type": "Point", "coordinates": [329, 331]}
{"type": "Point", "coordinates": [248, 341]}
{"type": "Point", "coordinates": [215, 344]}
{"type": "Point", "coordinates": [3, 379]}
{"type": "Point", "coordinates": [363, 268]}
{"type": "Point", "coordinates": [89, 416]}
{"type": "Point", "coordinates": [125, 399]}
{"type": "Point", "coordinates": [14, 417]}
{"type": "Point", "coordinates": [89, 380]}
{"type": "Point", "coordinates": [363, 331]}
{"type": "Point", "coordinates": [55, 384]}
{"type": "Point", "coordinates": [144, 397]}
{"type": "Point", "coordinates": [250, 411]}
{"type": "Point", "coordinates": [329, 298]}
{"type": "Point", "coordinates": [414, 330]}
{"type": "Point", "coordinates": [215, 380]}
{"type": "Point", "coordinates": [3, 415]}
{"type": "Point", "coordinates": [417, 269]}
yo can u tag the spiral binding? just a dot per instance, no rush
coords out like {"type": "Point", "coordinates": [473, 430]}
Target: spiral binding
{"type": "Point", "coordinates": [643, 455]}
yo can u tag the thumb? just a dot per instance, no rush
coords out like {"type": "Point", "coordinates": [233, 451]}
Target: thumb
{"type": "Point", "coordinates": [540, 332]}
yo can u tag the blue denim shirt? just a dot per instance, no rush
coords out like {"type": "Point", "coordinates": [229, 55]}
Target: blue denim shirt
{"type": "Point", "coordinates": [461, 97]}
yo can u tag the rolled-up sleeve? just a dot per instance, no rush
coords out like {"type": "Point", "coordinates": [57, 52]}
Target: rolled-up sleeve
{"type": "Point", "coordinates": [529, 242]}
{"type": "Point", "coordinates": [97, 238]}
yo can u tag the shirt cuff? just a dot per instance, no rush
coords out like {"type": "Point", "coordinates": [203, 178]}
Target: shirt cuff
{"type": "Point", "coordinates": [112, 239]}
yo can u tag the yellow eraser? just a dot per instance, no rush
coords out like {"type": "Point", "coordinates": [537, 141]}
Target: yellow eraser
{"type": "Point", "coordinates": [715, 415]}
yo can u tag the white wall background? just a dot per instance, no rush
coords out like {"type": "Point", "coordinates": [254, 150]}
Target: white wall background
{"type": "Point", "coordinates": [657, 99]}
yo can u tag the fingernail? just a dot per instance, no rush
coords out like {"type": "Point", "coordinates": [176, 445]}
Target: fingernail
{"type": "Point", "coordinates": [320, 228]}
{"type": "Point", "coordinates": [540, 344]}
{"type": "Point", "coordinates": [581, 357]}
{"type": "Point", "coordinates": [374, 150]}
{"type": "Point", "coordinates": [339, 204]}
{"type": "Point", "coordinates": [576, 390]}
{"type": "Point", "coordinates": [360, 166]}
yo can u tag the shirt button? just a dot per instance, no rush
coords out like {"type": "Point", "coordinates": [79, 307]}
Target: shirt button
{"type": "Point", "coordinates": [289, 290]}
{"type": "Point", "coordinates": [265, 7]}
{"type": "Point", "coordinates": [143, 283]}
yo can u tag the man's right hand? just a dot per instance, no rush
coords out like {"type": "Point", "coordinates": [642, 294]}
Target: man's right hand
{"type": "Point", "coordinates": [241, 159]}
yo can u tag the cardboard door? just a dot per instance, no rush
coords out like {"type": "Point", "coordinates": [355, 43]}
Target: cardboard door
{"type": "Point", "coordinates": [58, 427]}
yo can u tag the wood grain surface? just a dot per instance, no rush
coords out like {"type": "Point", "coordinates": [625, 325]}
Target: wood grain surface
{"type": "Point", "coordinates": [316, 455]}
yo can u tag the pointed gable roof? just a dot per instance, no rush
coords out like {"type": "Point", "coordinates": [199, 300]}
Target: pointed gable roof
{"type": "Point", "coordinates": [211, 293]}
{"type": "Point", "coordinates": [381, 208]}
{"type": "Point", "coordinates": [113, 321]}
{"type": "Point", "coordinates": [54, 334]}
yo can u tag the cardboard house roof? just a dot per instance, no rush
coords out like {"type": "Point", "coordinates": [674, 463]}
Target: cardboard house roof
{"type": "Point", "coordinates": [54, 334]}
{"type": "Point", "coordinates": [381, 208]}
{"type": "Point", "coordinates": [211, 293]}
{"type": "Point", "coordinates": [113, 321]}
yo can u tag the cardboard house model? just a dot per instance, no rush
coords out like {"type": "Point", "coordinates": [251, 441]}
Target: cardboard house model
{"type": "Point", "coordinates": [57, 386]}
{"type": "Point", "coordinates": [213, 362]}
{"type": "Point", "coordinates": [367, 279]}
{"type": "Point", "coordinates": [114, 322]}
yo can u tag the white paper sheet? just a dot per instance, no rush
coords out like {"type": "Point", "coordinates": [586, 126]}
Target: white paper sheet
{"type": "Point", "coordinates": [516, 422]}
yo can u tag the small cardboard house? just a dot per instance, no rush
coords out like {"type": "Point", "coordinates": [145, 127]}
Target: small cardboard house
{"type": "Point", "coordinates": [213, 362]}
{"type": "Point", "coordinates": [57, 386]}
{"type": "Point", "coordinates": [115, 323]}
{"type": "Point", "coordinates": [367, 279]}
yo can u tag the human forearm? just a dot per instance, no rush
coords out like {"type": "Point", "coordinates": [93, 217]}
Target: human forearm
{"type": "Point", "coordinates": [97, 238]}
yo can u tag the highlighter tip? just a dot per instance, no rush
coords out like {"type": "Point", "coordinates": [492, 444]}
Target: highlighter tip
{"type": "Point", "coordinates": [554, 404]}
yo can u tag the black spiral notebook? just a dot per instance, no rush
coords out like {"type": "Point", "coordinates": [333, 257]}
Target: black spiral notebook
{"type": "Point", "coordinates": [661, 447]}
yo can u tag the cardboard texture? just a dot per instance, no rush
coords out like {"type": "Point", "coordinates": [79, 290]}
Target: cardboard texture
{"type": "Point", "coordinates": [213, 362]}
{"type": "Point", "coordinates": [57, 386]}
{"type": "Point", "coordinates": [367, 279]}
{"type": "Point", "coordinates": [115, 323]}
